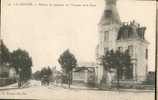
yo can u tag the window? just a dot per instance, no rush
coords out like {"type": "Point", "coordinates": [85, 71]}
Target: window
{"type": "Point", "coordinates": [130, 49]}
{"type": "Point", "coordinates": [129, 72]}
{"type": "Point", "coordinates": [108, 13]}
{"type": "Point", "coordinates": [106, 36]}
{"type": "Point", "coordinates": [105, 50]}
{"type": "Point", "coordinates": [146, 53]}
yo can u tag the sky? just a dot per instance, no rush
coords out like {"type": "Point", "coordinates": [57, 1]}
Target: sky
{"type": "Point", "coordinates": [46, 31]}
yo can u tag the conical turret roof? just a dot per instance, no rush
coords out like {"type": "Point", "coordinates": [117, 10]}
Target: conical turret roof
{"type": "Point", "coordinates": [110, 15]}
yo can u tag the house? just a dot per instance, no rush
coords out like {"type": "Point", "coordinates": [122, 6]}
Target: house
{"type": "Point", "coordinates": [117, 35]}
{"type": "Point", "coordinates": [84, 73]}
{"type": "Point", "coordinates": [4, 71]}
{"type": "Point", "coordinates": [7, 75]}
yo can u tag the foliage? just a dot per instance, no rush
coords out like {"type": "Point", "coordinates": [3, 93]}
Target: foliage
{"type": "Point", "coordinates": [67, 61]}
{"type": "Point", "coordinates": [19, 59]}
{"type": "Point", "coordinates": [22, 62]}
{"type": "Point", "coordinates": [37, 75]}
{"type": "Point", "coordinates": [121, 61]}
{"type": "Point", "coordinates": [46, 71]}
{"type": "Point", "coordinates": [43, 72]}
{"type": "Point", "coordinates": [4, 54]}
{"type": "Point", "coordinates": [148, 82]}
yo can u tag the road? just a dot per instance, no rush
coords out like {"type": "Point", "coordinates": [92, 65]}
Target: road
{"type": "Point", "coordinates": [35, 91]}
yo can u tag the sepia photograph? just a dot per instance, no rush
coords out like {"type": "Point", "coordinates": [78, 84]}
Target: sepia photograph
{"type": "Point", "coordinates": [78, 49]}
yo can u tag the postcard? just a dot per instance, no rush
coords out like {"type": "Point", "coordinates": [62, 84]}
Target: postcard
{"type": "Point", "coordinates": [78, 49]}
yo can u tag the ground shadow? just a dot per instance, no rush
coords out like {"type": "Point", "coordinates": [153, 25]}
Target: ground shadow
{"type": "Point", "coordinates": [108, 89]}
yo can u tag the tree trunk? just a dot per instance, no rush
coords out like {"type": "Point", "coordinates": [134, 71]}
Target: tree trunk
{"type": "Point", "coordinates": [118, 83]}
{"type": "Point", "coordinates": [69, 79]}
{"type": "Point", "coordinates": [69, 83]}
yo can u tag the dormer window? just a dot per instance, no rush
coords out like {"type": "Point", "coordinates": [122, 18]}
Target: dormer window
{"type": "Point", "coordinates": [105, 50]}
{"type": "Point", "coordinates": [106, 36]}
{"type": "Point", "coordinates": [108, 13]}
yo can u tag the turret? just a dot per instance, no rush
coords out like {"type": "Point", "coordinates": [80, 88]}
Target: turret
{"type": "Point", "coordinates": [110, 14]}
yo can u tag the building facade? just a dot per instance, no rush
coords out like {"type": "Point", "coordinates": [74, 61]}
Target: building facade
{"type": "Point", "coordinates": [7, 72]}
{"type": "Point", "coordinates": [117, 35]}
{"type": "Point", "coordinates": [85, 72]}
{"type": "Point", "coordinates": [7, 75]}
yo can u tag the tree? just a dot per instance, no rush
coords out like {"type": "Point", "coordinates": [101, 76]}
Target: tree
{"type": "Point", "coordinates": [22, 62]}
{"type": "Point", "coordinates": [37, 75]}
{"type": "Point", "coordinates": [46, 71]}
{"type": "Point", "coordinates": [49, 71]}
{"type": "Point", "coordinates": [4, 54]}
{"type": "Point", "coordinates": [45, 74]}
{"type": "Point", "coordinates": [67, 61]}
{"type": "Point", "coordinates": [119, 61]}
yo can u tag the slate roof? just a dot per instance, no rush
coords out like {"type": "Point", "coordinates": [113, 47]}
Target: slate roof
{"type": "Point", "coordinates": [132, 30]}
